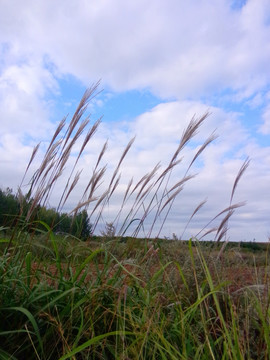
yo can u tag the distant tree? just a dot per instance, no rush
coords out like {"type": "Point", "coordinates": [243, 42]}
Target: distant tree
{"type": "Point", "coordinates": [9, 207]}
{"type": "Point", "coordinates": [49, 216]}
{"type": "Point", "coordinates": [109, 231]}
{"type": "Point", "coordinates": [64, 224]}
{"type": "Point", "coordinates": [81, 226]}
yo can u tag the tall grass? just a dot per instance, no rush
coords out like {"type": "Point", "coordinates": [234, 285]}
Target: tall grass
{"type": "Point", "coordinates": [131, 300]}
{"type": "Point", "coordinates": [121, 297]}
{"type": "Point", "coordinates": [145, 204]}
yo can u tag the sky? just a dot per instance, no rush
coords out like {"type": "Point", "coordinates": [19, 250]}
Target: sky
{"type": "Point", "coordinates": [159, 64]}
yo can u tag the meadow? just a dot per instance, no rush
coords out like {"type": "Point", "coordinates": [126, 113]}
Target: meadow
{"type": "Point", "coordinates": [77, 295]}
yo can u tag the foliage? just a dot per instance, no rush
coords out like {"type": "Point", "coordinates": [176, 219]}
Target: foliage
{"type": "Point", "coordinates": [109, 231]}
{"type": "Point", "coordinates": [9, 207]}
{"type": "Point", "coordinates": [157, 301]}
{"type": "Point", "coordinates": [13, 212]}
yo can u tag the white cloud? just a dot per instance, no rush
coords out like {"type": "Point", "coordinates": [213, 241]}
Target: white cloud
{"type": "Point", "coordinates": [175, 48]}
{"type": "Point", "coordinates": [22, 90]}
{"type": "Point", "coordinates": [265, 127]}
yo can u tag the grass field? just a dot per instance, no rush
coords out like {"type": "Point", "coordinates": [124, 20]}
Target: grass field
{"type": "Point", "coordinates": [133, 299]}
{"type": "Point", "coordinates": [119, 297]}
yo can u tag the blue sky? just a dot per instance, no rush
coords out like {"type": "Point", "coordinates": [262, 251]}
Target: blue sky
{"type": "Point", "coordinates": [159, 64]}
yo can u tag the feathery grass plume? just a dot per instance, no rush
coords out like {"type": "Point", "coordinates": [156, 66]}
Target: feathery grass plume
{"type": "Point", "coordinates": [223, 227]}
{"type": "Point", "coordinates": [69, 142]}
{"type": "Point", "coordinates": [57, 132]}
{"type": "Point", "coordinates": [239, 175]}
{"type": "Point", "coordinates": [221, 251]}
{"type": "Point", "coordinates": [103, 150]}
{"type": "Point", "coordinates": [117, 218]}
{"type": "Point", "coordinates": [34, 152]}
{"type": "Point", "coordinates": [101, 199]}
{"type": "Point", "coordinates": [168, 169]}
{"type": "Point", "coordinates": [180, 183]}
{"type": "Point", "coordinates": [127, 191]}
{"type": "Point", "coordinates": [127, 148]}
{"type": "Point", "coordinates": [62, 160]}
{"type": "Point", "coordinates": [142, 183]}
{"type": "Point", "coordinates": [72, 186]}
{"type": "Point", "coordinates": [201, 204]}
{"type": "Point", "coordinates": [48, 158]}
{"type": "Point", "coordinates": [82, 204]}
{"type": "Point", "coordinates": [170, 199]}
{"type": "Point", "coordinates": [209, 231]}
{"type": "Point", "coordinates": [224, 223]}
{"type": "Point", "coordinates": [223, 231]}
{"type": "Point", "coordinates": [76, 137]}
{"type": "Point", "coordinates": [39, 179]}
{"type": "Point", "coordinates": [227, 209]}
{"type": "Point", "coordinates": [112, 187]}
{"type": "Point", "coordinates": [145, 180]}
{"type": "Point", "coordinates": [179, 186]}
{"type": "Point", "coordinates": [93, 183]}
{"type": "Point", "coordinates": [208, 141]}
{"type": "Point", "coordinates": [50, 153]}
{"type": "Point", "coordinates": [133, 207]}
{"type": "Point", "coordinates": [38, 196]}
{"type": "Point", "coordinates": [191, 130]}
{"type": "Point", "coordinates": [189, 133]}
{"type": "Point", "coordinates": [141, 196]}
{"type": "Point", "coordinates": [88, 136]}
{"type": "Point", "coordinates": [173, 196]}
{"type": "Point", "coordinates": [88, 95]}
{"type": "Point", "coordinates": [145, 193]}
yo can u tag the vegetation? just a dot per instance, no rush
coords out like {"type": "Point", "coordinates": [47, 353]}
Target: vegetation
{"type": "Point", "coordinates": [116, 296]}
{"type": "Point", "coordinates": [13, 211]}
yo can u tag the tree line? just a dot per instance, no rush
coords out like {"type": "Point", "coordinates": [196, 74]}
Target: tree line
{"type": "Point", "coordinates": [13, 212]}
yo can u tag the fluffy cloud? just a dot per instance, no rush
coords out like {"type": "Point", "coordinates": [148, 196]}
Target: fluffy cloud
{"type": "Point", "coordinates": [180, 49]}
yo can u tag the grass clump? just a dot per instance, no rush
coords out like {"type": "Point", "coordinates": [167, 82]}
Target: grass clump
{"type": "Point", "coordinates": [144, 305]}
{"type": "Point", "coordinates": [118, 296]}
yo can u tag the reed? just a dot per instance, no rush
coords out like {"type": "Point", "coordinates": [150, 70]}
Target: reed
{"type": "Point", "coordinates": [119, 297]}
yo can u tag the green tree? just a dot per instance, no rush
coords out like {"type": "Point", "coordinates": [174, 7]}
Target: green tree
{"type": "Point", "coordinates": [81, 226]}
{"type": "Point", "coordinates": [9, 207]}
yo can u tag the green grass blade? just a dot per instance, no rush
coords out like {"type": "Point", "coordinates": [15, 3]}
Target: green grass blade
{"type": "Point", "coordinates": [93, 341]}
{"type": "Point", "coordinates": [159, 272]}
{"type": "Point", "coordinates": [28, 262]}
{"type": "Point", "coordinates": [6, 356]}
{"type": "Point", "coordinates": [55, 300]}
{"type": "Point", "coordinates": [32, 320]}
{"type": "Point", "coordinates": [86, 261]}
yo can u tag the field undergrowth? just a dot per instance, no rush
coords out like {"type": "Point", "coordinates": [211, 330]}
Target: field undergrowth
{"type": "Point", "coordinates": [132, 299]}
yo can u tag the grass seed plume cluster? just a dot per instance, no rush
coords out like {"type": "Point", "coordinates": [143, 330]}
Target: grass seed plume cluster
{"type": "Point", "coordinates": [145, 204]}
